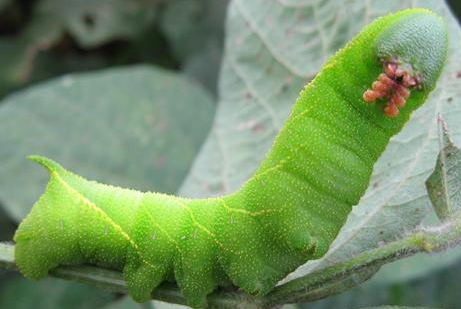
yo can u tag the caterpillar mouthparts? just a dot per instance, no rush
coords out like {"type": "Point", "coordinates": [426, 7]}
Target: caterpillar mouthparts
{"type": "Point", "coordinates": [395, 84]}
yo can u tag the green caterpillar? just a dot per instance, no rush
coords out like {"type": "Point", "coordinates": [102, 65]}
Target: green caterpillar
{"type": "Point", "coordinates": [289, 212]}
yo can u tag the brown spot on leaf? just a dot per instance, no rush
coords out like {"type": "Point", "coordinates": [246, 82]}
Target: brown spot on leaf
{"type": "Point", "coordinates": [160, 161]}
{"type": "Point", "coordinates": [301, 17]}
{"type": "Point", "coordinates": [257, 128]}
{"type": "Point", "coordinates": [289, 32]}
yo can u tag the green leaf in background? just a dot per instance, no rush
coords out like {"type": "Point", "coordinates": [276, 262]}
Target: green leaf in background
{"type": "Point", "coordinates": [197, 40]}
{"type": "Point", "coordinates": [137, 127]}
{"type": "Point", "coordinates": [272, 50]}
{"type": "Point", "coordinates": [44, 47]}
{"type": "Point", "coordinates": [90, 23]}
{"type": "Point", "coordinates": [51, 294]}
{"type": "Point", "coordinates": [97, 22]}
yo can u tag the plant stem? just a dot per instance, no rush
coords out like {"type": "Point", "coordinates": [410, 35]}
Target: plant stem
{"type": "Point", "coordinates": [322, 283]}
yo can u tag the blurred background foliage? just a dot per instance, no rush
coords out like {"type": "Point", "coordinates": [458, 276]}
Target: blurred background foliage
{"type": "Point", "coordinates": [43, 39]}
{"type": "Point", "coordinates": [46, 38]}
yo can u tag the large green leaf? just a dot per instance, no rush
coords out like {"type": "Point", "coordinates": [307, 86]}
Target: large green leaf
{"type": "Point", "coordinates": [272, 49]}
{"type": "Point", "coordinates": [137, 127]}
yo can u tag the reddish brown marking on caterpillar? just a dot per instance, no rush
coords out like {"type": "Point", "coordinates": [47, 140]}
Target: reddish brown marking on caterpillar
{"type": "Point", "coordinates": [394, 84]}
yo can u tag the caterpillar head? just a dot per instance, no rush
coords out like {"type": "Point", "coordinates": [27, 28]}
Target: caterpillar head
{"type": "Point", "coordinates": [412, 54]}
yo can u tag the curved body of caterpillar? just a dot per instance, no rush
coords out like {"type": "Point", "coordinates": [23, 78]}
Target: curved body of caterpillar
{"type": "Point", "coordinates": [287, 213]}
